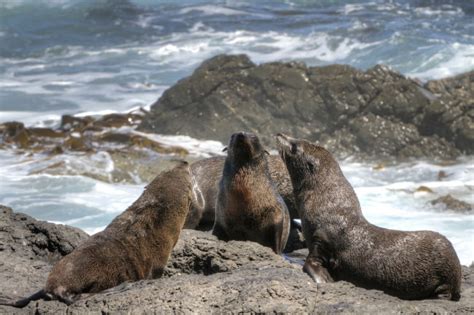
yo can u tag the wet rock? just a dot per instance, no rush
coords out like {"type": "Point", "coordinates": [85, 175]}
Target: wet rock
{"type": "Point", "coordinates": [371, 113]}
{"type": "Point", "coordinates": [424, 189]}
{"type": "Point", "coordinates": [204, 275]}
{"type": "Point", "coordinates": [138, 166]}
{"type": "Point", "coordinates": [72, 123]}
{"type": "Point", "coordinates": [123, 138]}
{"type": "Point", "coordinates": [16, 133]}
{"type": "Point", "coordinates": [77, 143]}
{"type": "Point", "coordinates": [144, 142]}
{"type": "Point", "coordinates": [46, 132]}
{"type": "Point", "coordinates": [117, 120]}
{"type": "Point", "coordinates": [451, 203]}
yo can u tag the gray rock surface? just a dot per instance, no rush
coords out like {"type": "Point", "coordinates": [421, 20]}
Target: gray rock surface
{"type": "Point", "coordinates": [373, 113]}
{"type": "Point", "coordinates": [208, 276]}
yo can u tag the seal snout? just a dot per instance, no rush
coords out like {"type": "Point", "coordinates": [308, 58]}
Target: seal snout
{"type": "Point", "coordinates": [283, 141]}
{"type": "Point", "coordinates": [238, 137]}
{"type": "Point", "coordinates": [245, 143]}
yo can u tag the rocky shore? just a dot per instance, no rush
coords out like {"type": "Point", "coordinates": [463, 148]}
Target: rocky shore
{"type": "Point", "coordinates": [370, 114]}
{"type": "Point", "coordinates": [204, 275]}
{"type": "Point", "coordinates": [376, 116]}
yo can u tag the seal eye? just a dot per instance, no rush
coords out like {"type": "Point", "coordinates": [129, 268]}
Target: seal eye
{"type": "Point", "coordinates": [311, 167]}
{"type": "Point", "coordinates": [294, 148]}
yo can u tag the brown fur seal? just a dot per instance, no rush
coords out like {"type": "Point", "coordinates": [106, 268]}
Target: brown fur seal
{"type": "Point", "coordinates": [207, 174]}
{"type": "Point", "coordinates": [136, 245]}
{"type": "Point", "coordinates": [343, 245]}
{"type": "Point", "coordinates": [248, 205]}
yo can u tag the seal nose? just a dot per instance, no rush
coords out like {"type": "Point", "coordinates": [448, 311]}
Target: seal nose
{"type": "Point", "coordinates": [238, 136]}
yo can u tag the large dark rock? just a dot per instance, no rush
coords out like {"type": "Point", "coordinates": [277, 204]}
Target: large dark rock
{"type": "Point", "coordinates": [24, 236]}
{"type": "Point", "coordinates": [373, 113]}
{"type": "Point", "coordinates": [204, 275]}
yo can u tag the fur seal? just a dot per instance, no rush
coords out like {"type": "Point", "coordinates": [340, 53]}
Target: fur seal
{"type": "Point", "coordinates": [343, 245]}
{"type": "Point", "coordinates": [207, 174]}
{"type": "Point", "coordinates": [135, 245]}
{"type": "Point", "coordinates": [249, 206]}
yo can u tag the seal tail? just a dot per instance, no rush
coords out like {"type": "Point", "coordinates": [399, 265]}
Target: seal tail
{"type": "Point", "coordinates": [41, 294]}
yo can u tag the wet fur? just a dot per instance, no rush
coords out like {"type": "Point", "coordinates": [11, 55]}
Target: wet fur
{"type": "Point", "coordinates": [249, 206]}
{"type": "Point", "coordinates": [136, 245]}
{"type": "Point", "coordinates": [345, 246]}
{"type": "Point", "coordinates": [208, 173]}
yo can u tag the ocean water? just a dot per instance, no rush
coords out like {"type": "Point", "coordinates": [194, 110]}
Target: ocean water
{"type": "Point", "coordinates": [100, 56]}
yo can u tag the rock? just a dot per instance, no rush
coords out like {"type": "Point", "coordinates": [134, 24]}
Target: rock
{"type": "Point", "coordinates": [46, 133]}
{"type": "Point", "coordinates": [424, 189]}
{"type": "Point", "coordinates": [77, 143]}
{"type": "Point", "coordinates": [451, 115]}
{"type": "Point", "coordinates": [373, 113]}
{"type": "Point", "coordinates": [102, 149]}
{"type": "Point", "coordinates": [451, 203]}
{"type": "Point", "coordinates": [204, 275]}
{"type": "Point", "coordinates": [117, 120]}
{"type": "Point", "coordinates": [72, 123]}
{"type": "Point", "coordinates": [202, 253]}
{"type": "Point", "coordinates": [16, 133]}
{"type": "Point", "coordinates": [36, 240]}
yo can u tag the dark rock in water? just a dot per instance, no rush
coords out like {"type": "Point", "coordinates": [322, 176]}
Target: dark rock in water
{"type": "Point", "coordinates": [375, 113]}
{"type": "Point", "coordinates": [204, 275]}
{"type": "Point", "coordinates": [451, 203]}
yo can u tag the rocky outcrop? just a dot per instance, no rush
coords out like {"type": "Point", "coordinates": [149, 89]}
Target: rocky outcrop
{"type": "Point", "coordinates": [96, 143]}
{"type": "Point", "coordinates": [453, 204]}
{"type": "Point", "coordinates": [374, 113]}
{"type": "Point", "coordinates": [204, 275]}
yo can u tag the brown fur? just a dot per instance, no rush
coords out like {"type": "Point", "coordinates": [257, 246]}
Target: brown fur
{"type": "Point", "coordinates": [248, 204]}
{"type": "Point", "coordinates": [208, 173]}
{"type": "Point", "coordinates": [345, 246]}
{"type": "Point", "coordinates": [136, 245]}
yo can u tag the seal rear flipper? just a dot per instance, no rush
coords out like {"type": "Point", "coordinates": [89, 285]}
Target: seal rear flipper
{"type": "Point", "coordinates": [445, 292]}
{"type": "Point", "coordinates": [316, 271]}
{"type": "Point", "coordinates": [41, 294]}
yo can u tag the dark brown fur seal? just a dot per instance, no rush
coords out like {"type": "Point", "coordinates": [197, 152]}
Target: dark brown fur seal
{"type": "Point", "coordinates": [343, 245]}
{"type": "Point", "coordinates": [136, 245]}
{"type": "Point", "coordinates": [207, 174]}
{"type": "Point", "coordinates": [249, 206]}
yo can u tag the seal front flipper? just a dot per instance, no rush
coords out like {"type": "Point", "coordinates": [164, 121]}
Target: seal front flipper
{"type": "Point", "coordinates": [41, 294]}
{"type": "Point", "coordinates": [220, 232]}
{"type": "Point", "coordinates": [316, 271]}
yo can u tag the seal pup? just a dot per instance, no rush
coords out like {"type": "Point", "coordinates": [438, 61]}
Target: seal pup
{"type": "Point", "coordinates": [249, 206]}
{"type": "Point", "coordinates": [135, 245]}
{"type": "Point", "coordinates": [343, 245]}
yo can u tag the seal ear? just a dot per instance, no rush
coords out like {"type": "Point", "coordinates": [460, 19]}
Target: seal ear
{"type": "Point", "coordinates": [313, 165]}
{"type": "Point", "coordinates": [225, 149]}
